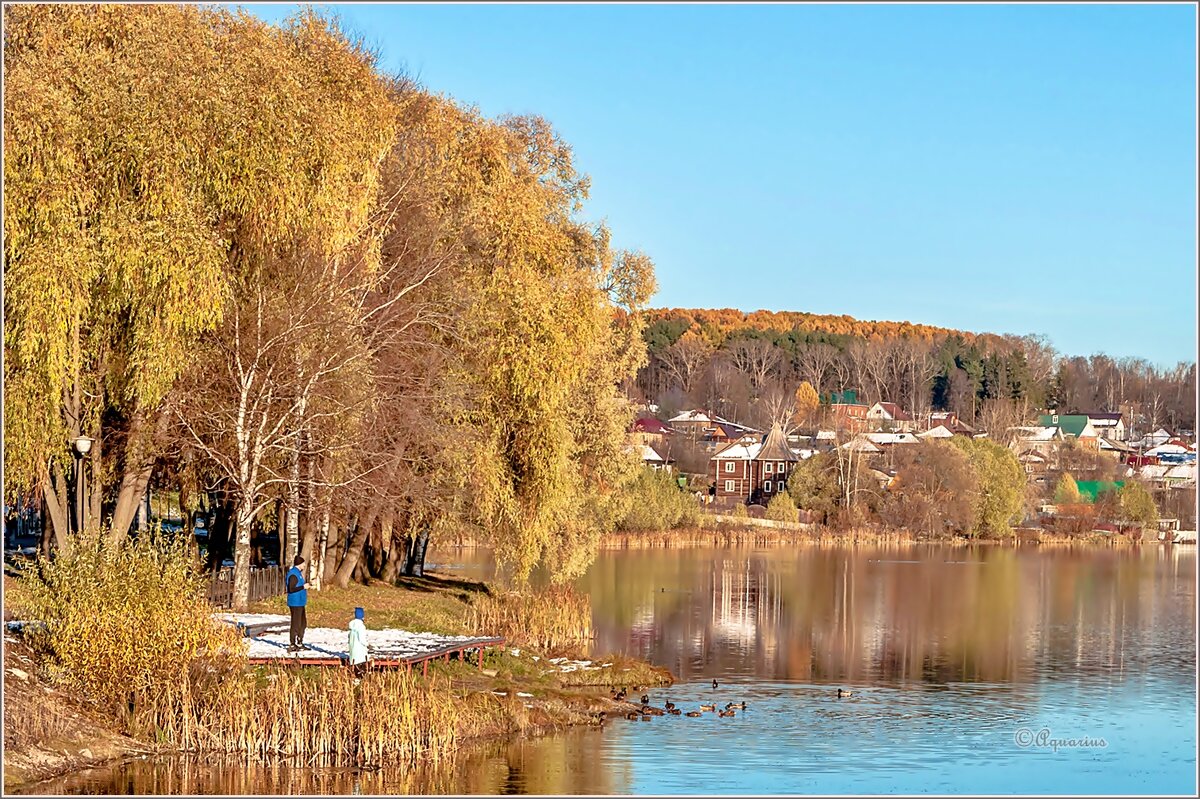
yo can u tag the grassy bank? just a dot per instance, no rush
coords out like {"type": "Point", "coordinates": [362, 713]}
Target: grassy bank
{"type": "Point", "coordinates": [217, 703]}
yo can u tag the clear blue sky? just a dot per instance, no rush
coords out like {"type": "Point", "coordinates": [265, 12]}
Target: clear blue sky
{"type": "Point", "coordinates": [1013, 169]}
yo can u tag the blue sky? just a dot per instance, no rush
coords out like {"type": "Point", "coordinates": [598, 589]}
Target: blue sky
{"type": "Point", "coordinates": [1014, 169]}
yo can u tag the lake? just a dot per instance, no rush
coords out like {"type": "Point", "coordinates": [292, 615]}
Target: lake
{"type": "Point", "coordinates": [980, 670]}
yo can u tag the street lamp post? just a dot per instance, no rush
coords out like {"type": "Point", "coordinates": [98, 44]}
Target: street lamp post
{"type": "Point", "coordinates": [83, 445]}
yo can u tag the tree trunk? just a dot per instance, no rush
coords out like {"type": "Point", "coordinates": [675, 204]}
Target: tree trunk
{"type": "Point", "coordinates": [55, 496]}
{"type": "Point", "coordinates": [135, 479]}
{"type": "Point", "coordinates": [416, 554]}
{"type": "Point", "coordinates": [385, 544]}
{"type": "Point", "coordinates": [308, 537]}
{"type": "Point", "coordinates": [292, 522]}
{"type": "Point", "coordinates": [317, 567]}
{"type": "Point", "coordinates": [241, 555]}
{"type": "Point", "coordinates": [394, 555]}
{"type": "Point", "coordinates": [404, 555]}
{"type": "Point", "coordinates": [219, 533]}
{"type": "Point", "coordinates": [354, 552]}
{"type": "Point", "coordinates": [95, 484]}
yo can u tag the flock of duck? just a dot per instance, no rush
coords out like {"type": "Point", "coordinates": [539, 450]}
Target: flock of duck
{"type": "Point", "coordinates": [645, 711]}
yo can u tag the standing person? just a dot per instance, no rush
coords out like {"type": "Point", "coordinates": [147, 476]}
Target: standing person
{"type": "Point", "coordinates": [297, 599]}
{"type": "Point", "coordinates": [358, 643]}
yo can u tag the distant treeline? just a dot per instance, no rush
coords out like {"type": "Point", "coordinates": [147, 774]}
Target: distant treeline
{"type": "Point", "coordinates": [740, 365]}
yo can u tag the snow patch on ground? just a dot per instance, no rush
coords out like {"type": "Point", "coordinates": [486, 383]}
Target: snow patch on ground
{"type": "Point", "coordinates": [330, 642]}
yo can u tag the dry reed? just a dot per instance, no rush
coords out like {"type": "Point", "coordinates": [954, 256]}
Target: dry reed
{"type": "Point", "coordinates": [327, 718]}
{"type": "Point", "coordinates": [558, 618]}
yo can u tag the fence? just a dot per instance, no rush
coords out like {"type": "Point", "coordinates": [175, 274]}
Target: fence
{"type": "Point", "coordinates": [264, 583]}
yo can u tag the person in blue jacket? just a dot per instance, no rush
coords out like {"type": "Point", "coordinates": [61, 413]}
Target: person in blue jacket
{"type": "Point", "coordinates": [297, 599]}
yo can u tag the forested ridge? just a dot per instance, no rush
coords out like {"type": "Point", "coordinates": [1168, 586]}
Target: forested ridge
{"type": "Point", "coordinates": [745, 365]}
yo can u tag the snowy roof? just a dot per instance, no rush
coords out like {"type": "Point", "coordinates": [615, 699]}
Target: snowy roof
{"type": "Point", "coordinates": [744, 449]}
{"type": "Point", "coordinates": [826, 435]}
{"type": "Point", "coordinates": [696, 416]}
{"type": "Point", "coordinates": [1170, 448]}
{"type": "Point", "coordinates": [803, 454]}
{"type": "Point", "coordinates": [861, 445]}
{"type": "Point", "coordinates": [887, 439]}
{"type": "Point", "coordinates": [648, 454]}
{"type": "Point", "coordinates": [1036, 433]}
{"type": "Point", "coordinates": [1164, 471]}
{"type": "Point", "coordinates": [941, 431]}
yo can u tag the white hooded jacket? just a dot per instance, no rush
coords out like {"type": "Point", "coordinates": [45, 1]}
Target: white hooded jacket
{"type": "Point", "coordinates": [358, 642]}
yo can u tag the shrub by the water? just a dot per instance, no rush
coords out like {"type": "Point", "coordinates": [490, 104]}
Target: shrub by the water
{"type": "Point", "coordinates": [656, 503]}
{"type": "Point", "coordinates": [122, 621]}
{"type": "Point", "coordinates": [782, 509]}
{"type": "Point", "coordinates": [739, 511]}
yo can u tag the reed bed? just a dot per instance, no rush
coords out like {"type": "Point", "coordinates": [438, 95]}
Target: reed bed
{"type": "Point", "coordinates": [317, 719]}
{"type": "Point", "coordinates": [552, 619]}
{"type": "Point", "coordinates": [724, 535]}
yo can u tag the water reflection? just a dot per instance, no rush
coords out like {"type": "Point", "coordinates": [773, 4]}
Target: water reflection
{"type": "Point", "coordinates": [898, 614]}
{"type": "Point", "coordinates": [952, 652]}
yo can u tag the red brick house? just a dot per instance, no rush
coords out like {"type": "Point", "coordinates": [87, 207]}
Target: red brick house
{"type": "Point", "coordinates": [754, 468]}
{"type": "Point", "coordinates": [849, 416]}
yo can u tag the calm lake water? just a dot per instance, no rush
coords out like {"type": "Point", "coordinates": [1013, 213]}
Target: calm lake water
{"type": "Point", "coordinates": [982, 670]}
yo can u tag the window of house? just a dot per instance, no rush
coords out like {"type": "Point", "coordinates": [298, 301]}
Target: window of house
{"type": "Point", "coordinates": [768, 468]}
{"type": "Point", "coordinates": [729, 486]}
{"type": "Point", "coordinates": [729, 466]}
{"type": "Point", "coordinates": [767, 486]}
{"type": "Point", "coordinates": [779, 468]}
{"type": "Point", "coordinates": [780, 486]}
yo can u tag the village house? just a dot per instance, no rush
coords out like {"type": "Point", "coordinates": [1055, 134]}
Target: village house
{"type": "Point", "coordinates": [753, 468]}
{"type": "Point", "coordinates": [950, 421]}
{"type": "Point", "coordinates": [652, 459]}
{"type": "Point", "coordinates": [1072, 425]}
{"type": "Point", "coordinates": [890, 417]}
{"type": "Point", "coordinates": [723, 432]}
{"type": "Point", "coordinates": [849, 416]}
{"type": "Point", "coordinates": [650, 431]}
{"type": "Point", "coordinates": [690, 423]}
{"type": "Point", "coordinates": [1109, 425]}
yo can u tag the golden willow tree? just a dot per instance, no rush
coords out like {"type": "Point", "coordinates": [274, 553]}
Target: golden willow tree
{"type": "Point", "coordinates": [242, 256]}
{"type": "Point", "coordinates": [158, 160]}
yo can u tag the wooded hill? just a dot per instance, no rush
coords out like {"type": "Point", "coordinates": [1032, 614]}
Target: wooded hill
{"type": "Point", "coordinates": [745, 366]}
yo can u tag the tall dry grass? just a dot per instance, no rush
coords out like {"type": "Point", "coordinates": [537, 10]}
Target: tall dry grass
{"type": "Point", "coordinates": [317, 718]}
{"type": "Point", "coordinates": [553, 619]}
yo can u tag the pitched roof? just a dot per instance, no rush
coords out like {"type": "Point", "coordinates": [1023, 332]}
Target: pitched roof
{"type": "Point", "coordinates": [649, 455]}
{"type": "Point", "coordinates": [648, 424]}
{"type": "Point", "coordinates": [775, 447]}
{"type": "Point", "coordinates": [1073, 424]}
{"type": "Point", "coordinates": [1036, 433]}
{"type": "Point", "coordinates": [861, 445]}
{"type": "Point", "coordinates": [744, 449]}
{"type": "Point", "coordinates": [941, 431]}
{"type": "Point", "coordinates": [887, 439]}
{"type": "Point", "coordinates": [690, 417]}
{"type": "Point", "coordinates": [895, 412]}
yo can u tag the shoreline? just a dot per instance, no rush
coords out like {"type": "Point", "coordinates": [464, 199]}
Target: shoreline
{"type": "Point", "coordinates": [521, 692]}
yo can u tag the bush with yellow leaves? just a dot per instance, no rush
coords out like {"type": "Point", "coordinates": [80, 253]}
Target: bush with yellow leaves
{"type": "Point", "coordinates": [123, 621]}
